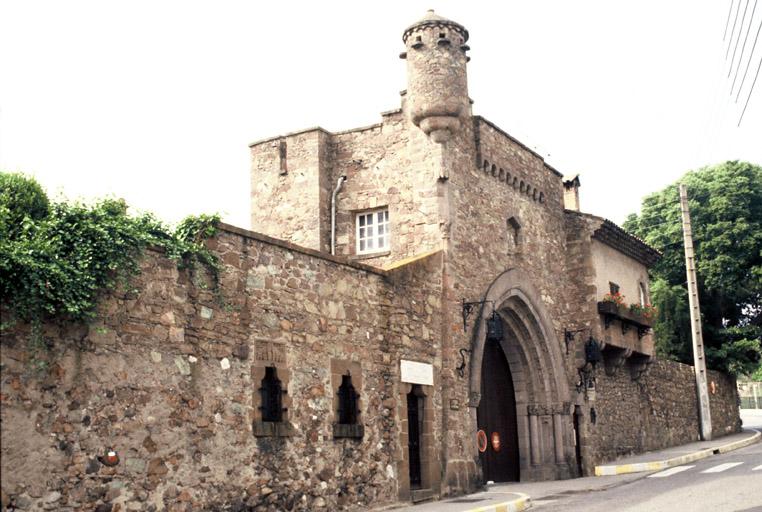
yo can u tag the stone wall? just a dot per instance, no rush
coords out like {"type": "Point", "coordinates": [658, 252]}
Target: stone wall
{"type": "Point", "coordinates": [385, 165]}
{"type": "Point", "coordinates": [388, 165]}
{"type": "Point", "coordinates": [168, 378]}
{"type": "Point", "coordinates": [290, 188]}
{"type": "Point", "coordinates": [656, 410]}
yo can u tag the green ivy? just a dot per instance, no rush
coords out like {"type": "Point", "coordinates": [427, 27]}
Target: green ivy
{"type": "Point", "coordinates": [54, 264]}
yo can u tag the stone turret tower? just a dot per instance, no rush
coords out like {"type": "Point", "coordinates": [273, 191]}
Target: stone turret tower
{"type": "Point", "coordinates": [437, 89]}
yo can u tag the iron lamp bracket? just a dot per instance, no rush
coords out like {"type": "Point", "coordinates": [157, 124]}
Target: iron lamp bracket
{"type": "Point", "coordinates": [468, 308]}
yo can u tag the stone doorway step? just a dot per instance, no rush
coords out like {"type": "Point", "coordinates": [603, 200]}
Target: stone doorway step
{"type": "Point", "coordinates": [420, 495]}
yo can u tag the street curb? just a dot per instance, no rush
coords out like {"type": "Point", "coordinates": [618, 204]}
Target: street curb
{"type": "Point", "coordinates": [523, 502]}
{"type": "Point", "coordinates": [622, 469]}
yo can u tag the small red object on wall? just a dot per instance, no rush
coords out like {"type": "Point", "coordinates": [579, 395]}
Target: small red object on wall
{"type": "Point", "coordinates": [481, 441]}
{"type": "Point", "coordinates": [495, 438]}
{"type": "Point", "coordinates": [111, 458]}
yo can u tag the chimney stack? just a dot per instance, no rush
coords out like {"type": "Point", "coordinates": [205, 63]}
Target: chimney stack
{"type": "Point", "coordinates": [571, 193]}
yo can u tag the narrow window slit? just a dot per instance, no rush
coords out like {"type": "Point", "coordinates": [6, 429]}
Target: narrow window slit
{"type": "Point", "coordinates": [347, 401]}
{"type": "Point", "coordinates": [271, 391]}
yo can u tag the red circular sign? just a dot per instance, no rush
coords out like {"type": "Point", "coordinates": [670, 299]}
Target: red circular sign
{"type": "Point", "coordinates": [495, 438]}
{"type": "Point", "coordinates": [481, 441]}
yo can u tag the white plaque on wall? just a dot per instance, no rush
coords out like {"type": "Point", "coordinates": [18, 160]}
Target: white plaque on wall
{"type": "Point", "coordinates": [417, 373]}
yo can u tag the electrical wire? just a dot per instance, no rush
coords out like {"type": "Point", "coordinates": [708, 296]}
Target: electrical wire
{"type": "Point", "coordinates": [743, 47]}
{"type": "Point", "coordinates": [751, 55]}
{"type": "Point", "coordinates": [733, 31]}
{"type": "Point", "coordinates": [714, 110]}
{"type": "Point", "coordinates": [733, 58]}
{"type": "Point", "coordinates": [655, 224]}
{"type": "Point", "coordinates": [727, 22]}
{"type": "Point", "coordinates": [752, 87]}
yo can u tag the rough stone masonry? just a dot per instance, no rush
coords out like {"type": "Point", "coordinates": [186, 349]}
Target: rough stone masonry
{"type": "Point", "coordinates": [320, 382]}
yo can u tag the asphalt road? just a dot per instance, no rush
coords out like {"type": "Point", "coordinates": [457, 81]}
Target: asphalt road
{"type": "Point", "coordinates": [727, 482]}
{"type": "Point", "coordinates": [730, 482]}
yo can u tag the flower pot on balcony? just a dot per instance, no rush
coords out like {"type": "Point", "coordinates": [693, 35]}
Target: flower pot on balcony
{"type": "Point", "coordinates": [612, 311]}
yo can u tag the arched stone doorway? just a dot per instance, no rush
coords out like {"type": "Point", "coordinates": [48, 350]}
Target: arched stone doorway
{"type": "Point", "coordinates": [544, 431]}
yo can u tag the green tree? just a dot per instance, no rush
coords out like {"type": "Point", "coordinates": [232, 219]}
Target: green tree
{"type": "Point", "coordinates": [726, 213]}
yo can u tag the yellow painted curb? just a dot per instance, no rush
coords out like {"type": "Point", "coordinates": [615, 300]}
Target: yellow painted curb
{"type": "Point", "coordinates": [523, 502]}
{"type": "Point", "coordinates": [622, 469]}
{"type": "Point", "coordinates": [740, 444]}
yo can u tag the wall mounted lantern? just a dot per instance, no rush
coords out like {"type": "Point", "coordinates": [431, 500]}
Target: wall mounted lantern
{"type": "Point", "coordinates": [570, 335]}
{"type": "Point", "coordinates": [593, 356]}
{"type": "Point", "coordinates": [593, 353]}
{"type": "Point", "coordinates": [494, 327]}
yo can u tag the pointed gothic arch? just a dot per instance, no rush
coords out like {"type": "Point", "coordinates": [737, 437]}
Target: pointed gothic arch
{"type": "Point", "coordinates": [541, 386]}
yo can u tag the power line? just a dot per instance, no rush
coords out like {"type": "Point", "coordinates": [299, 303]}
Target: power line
{"type": "Point", "coordinates": [733, 58]}
{"type": "Point", "coordinates": [727, 22]}
{"type": "Point", "coordinates": [655, 224]}
{"type": "Point", "coordinates": [751, 54]}
{"type": "Point", "coordinates": [733, 31]}
{"type": "Point", "coordinates": [743, 47]}
{"type": "Point", "coordinates": [752, 87]}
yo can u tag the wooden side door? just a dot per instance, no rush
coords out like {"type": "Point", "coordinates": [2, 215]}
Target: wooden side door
{"type": "Point", "coordinates": [414, 432]}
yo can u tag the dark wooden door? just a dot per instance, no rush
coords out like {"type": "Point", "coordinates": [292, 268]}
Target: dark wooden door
{"type": "Point", "coordinates": [414, 430]}
{"type": "Point", "coordinates": [577, 439]}
{"type": "Point", "coordinates": [496, 416]}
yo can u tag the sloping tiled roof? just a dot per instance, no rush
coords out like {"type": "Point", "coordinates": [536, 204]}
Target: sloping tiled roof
{"type": "Point", "coordinates": [617, 238]}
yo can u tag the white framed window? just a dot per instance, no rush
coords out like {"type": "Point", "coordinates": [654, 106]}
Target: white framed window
{"type": "Point", "coordinates": [373, 231]}
{"type": "Point", "coordinates": [643, 294]}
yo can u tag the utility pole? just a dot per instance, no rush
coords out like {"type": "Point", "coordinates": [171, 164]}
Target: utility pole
{"type": "Point", "coordinates": [699, 360]}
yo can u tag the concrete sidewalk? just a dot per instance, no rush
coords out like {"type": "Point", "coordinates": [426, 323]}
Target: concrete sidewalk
{"type": "Point", "coordinates": [675, 456]}
{"type": "Point", "coordinates": [519, 495]}
{"type": "Point", "coordinates": [516, 496]}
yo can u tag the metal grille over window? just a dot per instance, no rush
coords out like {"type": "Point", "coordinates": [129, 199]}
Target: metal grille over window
{"type": "Point", "coordinates": [373, 231]}
{"type": "Point", "coordinates": [347, 401]}
{"type": "Point", "coordinates": [272, 399]}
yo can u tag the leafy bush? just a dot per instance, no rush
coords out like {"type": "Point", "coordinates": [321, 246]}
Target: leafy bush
{"type": "Point", "coordinates": [55, 265]}
{"type": "Point", "coordinates": [21, 199]}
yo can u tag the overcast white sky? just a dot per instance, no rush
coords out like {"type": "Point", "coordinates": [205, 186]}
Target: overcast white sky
{"type": "Point", "coordinates": [157, 101]}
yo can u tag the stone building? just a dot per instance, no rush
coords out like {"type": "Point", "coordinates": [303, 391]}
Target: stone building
{"type": "Point", "coordinates": [434, 178]}
{"type": "Point", "coordinates": [418, 309]}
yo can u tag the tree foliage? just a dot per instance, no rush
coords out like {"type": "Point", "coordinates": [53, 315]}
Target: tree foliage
{"type": "Point", "coordinates": [20, 197]}
{"type": "Point", "coordinates": [726, 216]}
{"type": "Point", "coordinates": [56, 258]}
